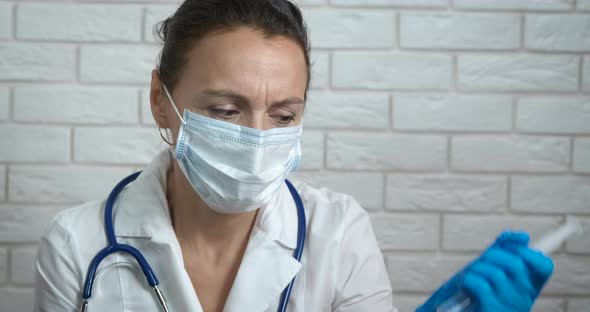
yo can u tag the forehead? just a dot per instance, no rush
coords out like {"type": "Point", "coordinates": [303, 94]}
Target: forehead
{"type": "Point", "coordinates": [245, 60]}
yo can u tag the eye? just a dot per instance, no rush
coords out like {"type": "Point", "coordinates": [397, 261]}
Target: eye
{"type": "Point", "coordinates": [224, 113]}
{"type": "Point", "coordinates": [284, 119]}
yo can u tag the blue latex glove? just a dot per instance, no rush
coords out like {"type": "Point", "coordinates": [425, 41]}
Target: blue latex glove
{"type": "Point", "coordinates": [508, 276]}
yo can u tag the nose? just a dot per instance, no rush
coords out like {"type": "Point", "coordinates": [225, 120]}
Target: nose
{"type": "Point", "coordinates": [257, 120]}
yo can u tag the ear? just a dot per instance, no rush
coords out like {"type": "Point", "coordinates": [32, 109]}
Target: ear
{"type": "Point", "coordinates": [158, 101]}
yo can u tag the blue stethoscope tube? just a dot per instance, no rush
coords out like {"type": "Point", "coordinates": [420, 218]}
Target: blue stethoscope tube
{"type": "Point", "coordinates": [114, 246]}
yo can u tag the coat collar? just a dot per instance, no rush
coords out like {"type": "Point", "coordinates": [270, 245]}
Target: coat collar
{"type": "Point", "coordinates": [267, 266]}
{"type": "Point", "coordinates": [142, 208]}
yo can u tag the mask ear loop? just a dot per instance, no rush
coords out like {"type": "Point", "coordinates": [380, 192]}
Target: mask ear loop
{"type": "Point", "coordinates": [177, 113]}
{"type": "Point", "coordinates": [172, 103]}
{"type": "Point", "coordinates": [167, 134]}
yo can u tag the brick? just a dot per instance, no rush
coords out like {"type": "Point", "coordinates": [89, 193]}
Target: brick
{"type": "Point", "coordinates": [79, 22]}
{"type": "Point", "coordinates": [381, 151]}
{"type": "Point", "coordinates": [43, 62]}
{"type": "Point", "coordinates": [4, 103]}
{"type": "Point", "coordinates": [571, 276]}
{"type": "Point", "coordinates": [367, 187]}
{"type": "Point", "coordinates": [419, 193]}
{"type": "Point", "coordinates": [514, 4]}
{"type": "Point", "coordinates": [23, 265]}
{"type": "Point", "coordinates": [460, 31]}
{"type": "Point", "coordinates": [326, 109]}
{"type": "Point", "coordinates": [422, 273]}
{"type": "Point", "coordinates": [557, 32]}
{"type": "Point", "coordinates": [518, 72]}
{"type": "Point", "coordinates": [554, 115]}
{"type": "Point", "coordinates": [3, 265]}
{"type": "Point", "coordinates": [117, 145]}
{"type": "Point", "coordinates": [582, 155]}
{"type": "Point", "coordinates": [117, 63]}
{"type": "Point", "coordinates": [395, 3]}
{"type": "Point", "coordinates": [452, 113]}
{"type": "Point", "coordinates": [59, 184]}
{"type": "Point", "coordinates": [586, 74]}
{"type": "Point", "coordinates": [337, 28]}
{"type": "Point", "coordinates": [5, 20]}
{"type": "Point", "coordinates": [383, 70]}
{"type": "Point", "coordinates": [475, 233]}
{"type": "Point", "coordinates": [24, 223]}
{"type": "Point", "coordinates": [559, 194]}
{"type": "Point", "coordinates": [406, 231]}
{"type": "Point", "coordinates": [22, 143]}
{"type": "Point", "coordinates": [580, 243]}
{"type": "Point", "coordinates": [578, 304]}
{"type": "Point", "coordinates": [510, 153]}
{"type": "Point", "coordinates": [312, 150]}
{"type": "Point", "coordinates": [16, 299]}
{"type": "Point", "coordinates": [320, 70]}
{"type": "Point", "coordinates": [155, 14]}
{"type": "Point", "coordinates": [74, 104]}
{"type": "Point", "coordinates": [548, 305]}
{"type": "Point", "coordinates": [3, 183]}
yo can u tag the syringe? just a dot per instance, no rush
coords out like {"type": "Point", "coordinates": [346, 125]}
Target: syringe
{"type": "Point", "coordinates": [547, 244]}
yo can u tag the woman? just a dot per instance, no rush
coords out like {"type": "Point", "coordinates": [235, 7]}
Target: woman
{"type": "Point", "coordinates": [212, 214]}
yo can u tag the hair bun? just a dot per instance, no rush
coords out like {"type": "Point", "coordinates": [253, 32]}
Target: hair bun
{"type": "Point", "coordinates": [162, 29]}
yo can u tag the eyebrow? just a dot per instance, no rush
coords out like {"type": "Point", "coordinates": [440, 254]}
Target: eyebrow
{"type": "Point", "coordinates": [240, 99]}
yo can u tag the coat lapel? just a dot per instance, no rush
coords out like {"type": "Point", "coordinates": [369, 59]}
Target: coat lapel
{"type": "Point", "coordinates": [268, 265]}
{"type": "Point", "coordinates": [266, 270]}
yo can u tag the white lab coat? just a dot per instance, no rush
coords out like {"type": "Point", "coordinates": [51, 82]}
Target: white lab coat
{"type": "Point", "coordinates": [342, 268]}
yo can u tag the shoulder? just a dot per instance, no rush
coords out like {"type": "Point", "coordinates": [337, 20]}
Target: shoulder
{"type": "Point", "coordinates": [333, 211]}
{"type": "Point", "coordinates": [344, 251]}
{"type": "Point", "coordinates": [71, 225]}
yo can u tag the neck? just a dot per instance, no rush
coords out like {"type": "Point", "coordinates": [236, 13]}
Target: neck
{"type": "Point", "coordinates": [200, 227]}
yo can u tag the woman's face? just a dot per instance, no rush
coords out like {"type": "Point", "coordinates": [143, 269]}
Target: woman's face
{"type": "Point", "coordinates": [239, 77]}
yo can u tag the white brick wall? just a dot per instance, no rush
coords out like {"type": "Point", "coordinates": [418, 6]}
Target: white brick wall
{"type": "Point", "coordinates": [586, 74]}
{"type": "Point", "coordinates": [93, 22]}
{"type": "Point", "coordinates": [510, 153]}
{"type": "Point", "coordinates": [582, 155]}
{"type": "Point", "coordinates": [460, 31]}
{"type": "Point", "coordinates": [558, 32]}
{"type": "Point", "coordinates": [454, 118]}
{"type": "Point", "coordinates": [518, 72]}
{"type": "Point", "coordinates": [452, 113]}
{"type": "Point", "coordinates": [76, 104]}
{"type": "Point", "coordinates": [554, 115]}
{"type": "Point", "coordinates": [350, 28]}
{"type": "Point", "coordinates": [5, 20]}
{"type": "Point", "coordinates": [385, 70]}
{"type": "Point", "coordinates": [4, 102]}
{"type": "Point", "coordinates": [3, 265]}
{"type": "Point", "coordinates": [347, 110]}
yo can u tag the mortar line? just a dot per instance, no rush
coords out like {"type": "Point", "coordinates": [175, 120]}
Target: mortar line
{"type": "Point", "coordinates": [14, 20]}
{"type": "Point", "coordinates": [580, 73]}
{"type": "Point", "coordinates": [6, 188]}
{"type": "Point", "coordinates": [522, 30]}
{"type": "Point", "coordinates": [143, 35]}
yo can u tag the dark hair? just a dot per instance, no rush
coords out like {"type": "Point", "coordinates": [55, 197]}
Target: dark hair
{"type": "Point", "coordinates": [196, 18]}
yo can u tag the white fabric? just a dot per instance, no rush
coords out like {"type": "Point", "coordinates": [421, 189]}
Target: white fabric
{"type": "Point", "coordinates": [342, 268]}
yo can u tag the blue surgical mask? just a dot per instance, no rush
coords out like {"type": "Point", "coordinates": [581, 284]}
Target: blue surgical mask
{"type": "Point", "coordinates": [233, 168]}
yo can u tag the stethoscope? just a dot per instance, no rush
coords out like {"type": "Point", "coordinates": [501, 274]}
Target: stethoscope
{"type": "Point", "coordinates": [114, 246]}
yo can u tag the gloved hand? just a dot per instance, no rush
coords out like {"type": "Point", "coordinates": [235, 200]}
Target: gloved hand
{"type": "Point", "coordinates": [507, 277]}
